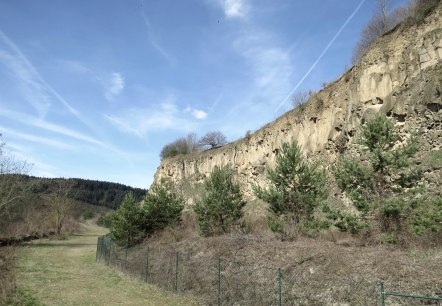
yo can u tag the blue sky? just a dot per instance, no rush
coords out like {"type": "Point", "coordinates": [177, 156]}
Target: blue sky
{"type": "Point", "coordinates": [94, 89]}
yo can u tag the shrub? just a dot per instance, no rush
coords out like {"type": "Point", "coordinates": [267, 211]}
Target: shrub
{"type": "Point", "coordinates": [300, 98]}
{"type": "Point", "coordinates": [221, 203]}
{"type": "Point", "coordinates": [183, 145]}
{"type": "Point", "coordinates": [386, 184]}
{"type": "Point", "coordinates": [126, 222]}
{"type": "Point", "coordinates": [105, 220]}
{"type": "Point", "coordinates": [296, 189]}
{"type": "Point", "coordinates": [381, 22]}
{"type": "Point", "coordinates": [88, 215]}
{"type": "Point", "coordinates": [162, 206]}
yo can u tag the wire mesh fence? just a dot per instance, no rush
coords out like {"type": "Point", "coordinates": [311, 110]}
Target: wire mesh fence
{"type": "Point", "coordinates": [218, 281]}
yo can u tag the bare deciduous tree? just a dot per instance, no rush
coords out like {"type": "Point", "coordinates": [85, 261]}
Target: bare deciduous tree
{"type": "Point", "coordinates": [213, 139]}
{"type": "Point", "coordinates": [11, 186]}
{"type": "Point", "coordinates": [60, 203]}
{"type": "Point", "coordinates": [300, 98]}
{"type": "Point", "coordinates": [381, 22]}
{"type": "Point", "coordinates": [183, 145]}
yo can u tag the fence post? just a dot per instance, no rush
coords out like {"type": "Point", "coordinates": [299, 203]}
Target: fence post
{"type": "Point", "coordinates": [98, 244]}
{"type": "Point", "coordinates": [279, 287]}
{"type": "Point", "coordinates": [382, 294]}
{"type": "Point", "coordinates": [219, 281]}
{"type": "Point", "coordinates": [176, 272]}
{"type": "Point", "coordinates": [125, 263]}
{"type": "Point", "coordinates": [146, 268]}
{"type": "Point", "coordinates": [110, 252]}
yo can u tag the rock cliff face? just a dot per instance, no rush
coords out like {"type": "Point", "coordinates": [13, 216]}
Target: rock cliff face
{"type": "Point", "coordinates": [400, 76]}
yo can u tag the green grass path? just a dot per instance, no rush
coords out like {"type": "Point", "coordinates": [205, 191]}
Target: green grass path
{"type": "Point", "coordinates": [52, 272]}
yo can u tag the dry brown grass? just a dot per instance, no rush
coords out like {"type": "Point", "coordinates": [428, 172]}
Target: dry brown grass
{"type": "Point", "coordinates": [333, 268]}
{"type": "Point", "coordinates": [7, 275]}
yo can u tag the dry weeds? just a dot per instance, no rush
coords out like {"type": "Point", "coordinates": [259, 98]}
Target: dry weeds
{"type": "Point", "coordinates": [335, 269]}
{"type": "Point", "coordinates": [7, 276]}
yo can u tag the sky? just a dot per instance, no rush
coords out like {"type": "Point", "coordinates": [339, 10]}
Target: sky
{"type": "Point", "coordinates": [95, 88]}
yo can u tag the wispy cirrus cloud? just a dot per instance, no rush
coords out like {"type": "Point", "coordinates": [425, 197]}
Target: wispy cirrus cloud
{"type": "Point", "coordinates": [153, 39]}
{"type": "Point", "coordinates": [39, 93]}
{"type": "Point", "coordinates": [115, 86]}
{"type": "Point", "coordinates": [163, 116]}
{"type": "Point", "coordinates": [111, 84]}
{"type": "Point", "coordinates": [48, 126]}
{"type": "Point", "coordinates": [37, 139]}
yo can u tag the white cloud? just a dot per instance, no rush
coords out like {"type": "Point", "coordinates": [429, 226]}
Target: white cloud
{"type": "Point", "coordinates": [115, 86]}
{"type": "Point", "coordinates": [199, 114]}
{"type": "Point", "coordinates": [235, 8]}
{"type": "Point", "coordinates": [140, 121]}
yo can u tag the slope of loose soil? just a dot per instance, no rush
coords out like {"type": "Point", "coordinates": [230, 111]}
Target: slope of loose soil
{"type": "Point", "coordinates": [64, 272]}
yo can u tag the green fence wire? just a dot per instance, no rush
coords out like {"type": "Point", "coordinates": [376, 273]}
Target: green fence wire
{"type": "Point", "coordinates": [218, 281]}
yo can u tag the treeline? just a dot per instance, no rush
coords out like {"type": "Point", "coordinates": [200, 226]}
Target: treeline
{"type": "Point", "coordinates": [191, 143]}
{"type": "Point", "coordinates": [93, 192]}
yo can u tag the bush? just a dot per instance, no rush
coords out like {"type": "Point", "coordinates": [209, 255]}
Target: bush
{"type": "Point", "coordinates": [387, 183]}
{"type": "Point", "coordinates": [221, 203]}
{"type": "Point", "coordinates": [296, 189]}
{"type": "Point", "coordinates": [183, 145]}
{"type": "Point", "coordinates": [380, 23]}
{"type": "Point", "coordinates": [88, 215]}
{"type": "Point", "coordinates": [126, 222]}
{"type": "Point", "coordinates": [105, 220]}
{"type": "Point", "coordinates": [162, 206]}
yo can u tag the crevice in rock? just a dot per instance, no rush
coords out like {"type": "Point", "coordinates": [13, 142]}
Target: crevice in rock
{"type": "Point", "coordinates": [434, 107]}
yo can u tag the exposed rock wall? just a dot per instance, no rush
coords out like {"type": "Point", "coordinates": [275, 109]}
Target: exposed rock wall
{"type": "Point", "coordinates": [400, 76]}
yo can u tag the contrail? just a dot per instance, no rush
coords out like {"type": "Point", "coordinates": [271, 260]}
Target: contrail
{"type": "Point", "coordinates": [321, 55]}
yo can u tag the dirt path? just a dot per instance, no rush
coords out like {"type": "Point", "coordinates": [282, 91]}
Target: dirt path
{"type": "Point", "coordinates": [51, 272]}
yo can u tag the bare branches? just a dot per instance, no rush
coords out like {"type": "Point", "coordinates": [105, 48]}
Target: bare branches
{"type": "Point", "coordinates": [213, 139]}
{"type": "Point", "coordinates": [60, 203]}
{"type": "Point", "coordinates": [11, 186]}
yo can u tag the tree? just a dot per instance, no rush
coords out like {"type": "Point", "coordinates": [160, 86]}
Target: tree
{"type": "Point", "coordinates": [381, 22]}
{"type": "Point", "coordinates": [296, 189]}
{"type": "Point", "coordinates": [162, 206]}
{"type": "Point", "coordinates": [221, 202]}
{"type": "Point", "coordinates": [11, 185]}
{"type": "Point", "coordinates": [385, 183]}
{"type": "Point", "coordinates": [300, 98]}
{"type": "Point", "coordinates": [126, 222]}
{"type": "Point", "coordinates": [60, 203]}
{"type": "Point", "coordinates": [183, 145]}
{"type": "Point", "coordinates": [213, 139]}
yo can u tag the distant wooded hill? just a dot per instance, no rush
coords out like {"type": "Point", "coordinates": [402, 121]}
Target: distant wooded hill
{"type": "Point", "coordinates": [93, 192]}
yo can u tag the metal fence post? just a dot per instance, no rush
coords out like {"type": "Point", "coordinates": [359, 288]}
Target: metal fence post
{"type": "Point", "coordinates": [146, 268]}
{"type": "Point", "coordinates": [125, 263]}
{"type": "Point", "coordinates": [110, 252]}
{"type": "Point", "coordinates": [219, 281]}
{"type": "Point", "coordinates": [176, 271]}
{"type": "Point", "coordinates": [382, 294]}
{"type": "Point", "coordinates": [279, 287]}
{"type": "Point", "coordinates": [96, 252]}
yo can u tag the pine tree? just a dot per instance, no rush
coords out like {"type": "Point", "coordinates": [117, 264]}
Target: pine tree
{"type": "Point", "coordinates": [162, 206]}
{"type": "Point", "coordinates": [221, 203]}
{"type": "Point", "coordinates": [126, 221]}
{"type": "Point", "coordinates": [385, 183]}
{"type": "Point", "coordinates": [296, 189]}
